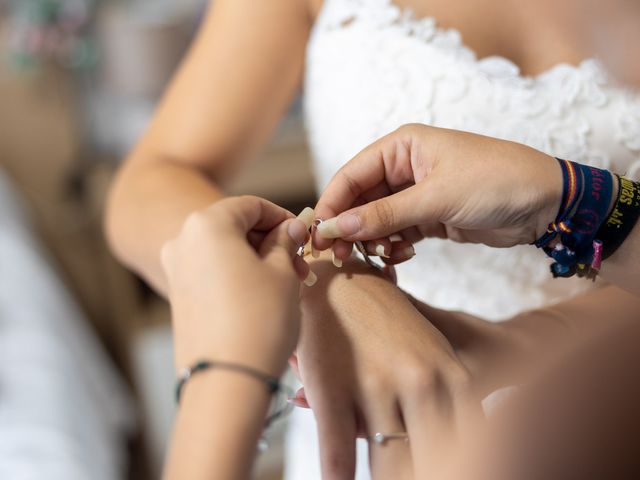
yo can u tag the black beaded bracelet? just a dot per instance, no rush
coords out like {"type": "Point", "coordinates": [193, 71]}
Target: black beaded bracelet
{"type": "Point", "coordinates": [622, 218]}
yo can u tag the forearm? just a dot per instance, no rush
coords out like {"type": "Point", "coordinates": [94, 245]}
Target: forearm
{"type": "Point", "coordinates": [496, 353]}
{"type": "Point", "coordinates": [148, 204]}
{"type": "Point", "coordinates": [543, 329]}
{"type": "Point", "coordinates": [217, 428]}
{"type": "Point", "coordinates": [536, 335]}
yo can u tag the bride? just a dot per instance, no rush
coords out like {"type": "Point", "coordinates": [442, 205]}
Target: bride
{"type": "Point", "coordinates": [503, 69]}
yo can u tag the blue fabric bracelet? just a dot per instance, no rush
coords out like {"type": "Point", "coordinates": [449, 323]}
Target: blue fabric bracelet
{"type": "Point", "coordinates": [579, 219]}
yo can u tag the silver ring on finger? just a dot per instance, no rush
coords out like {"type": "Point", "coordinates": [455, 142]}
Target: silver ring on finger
{"type": "Point", "coordinates": [382, 438]}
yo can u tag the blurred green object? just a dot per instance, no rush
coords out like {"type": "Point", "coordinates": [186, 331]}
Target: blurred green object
{"type": "Point", "coordinates": [52, 30]}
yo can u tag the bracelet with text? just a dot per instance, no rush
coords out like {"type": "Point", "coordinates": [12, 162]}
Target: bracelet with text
{"type": "Point", "coordinates": [622, 218]}
{"type": "Point", "coordinates": [585, 202]}
{"type": "Point", "coordinates": [272, 384]}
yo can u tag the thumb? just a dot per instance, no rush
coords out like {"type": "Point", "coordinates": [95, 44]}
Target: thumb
{"type": "Point", "coordinates": [282, 243]}
{"type": "Point", "coordinates": [383, 217]}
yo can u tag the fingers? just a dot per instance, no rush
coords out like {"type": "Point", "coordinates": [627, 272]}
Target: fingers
{"type": "Point", "coordinates": [386, 160]}
{"type": "Point", "coordinates": [383, 217]}
{"type": "Point", "coordinates": [437, 414]}
{"type": "Point", "coordinates": [293, 363]}
{"type": "Point", "coordinates": [342, 250]}
{"type": "Point", "coordinates": [400, 252]}
{"type": "Point", "coordinates": [285, 238]}
{"type": "Point", "coordinates": [375, 172]}
{"type": "Point", "coordinates": [392, 458]}
{"type": "Point", "coordinates": [337, 436]}
{"type": "Point", "coordinates": [300, 399]}
{"type": "Point", "coordinates": [303, 271]}
{"type": "Point", "coordinates": [248, 213]}
{"type": "Point", "coordinates": [380, 247]}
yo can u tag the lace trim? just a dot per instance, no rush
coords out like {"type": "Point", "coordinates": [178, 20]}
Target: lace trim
{"type": "Point", "coordinates": [376, 14]}
{"type": "Point", "coordinates": [557, 90]}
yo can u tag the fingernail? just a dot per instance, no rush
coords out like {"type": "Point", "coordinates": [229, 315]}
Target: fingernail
{"type": "Point", "coordinates": [380, 251]}
{"type": "Point", "coordinates": [311, 279]}
{"type": "Point", "coordinates": [409, 252]}
{"type": "Point", "coordinates": [340, 226]}
{"type": "Point", "coordinates": [307, 215]}
{"type": "Point", "coordinates": [336, 261]}
{"type": "Point", "coordinates": [297, 231]}
{"type": "Point", "coordinates": [297, 402]}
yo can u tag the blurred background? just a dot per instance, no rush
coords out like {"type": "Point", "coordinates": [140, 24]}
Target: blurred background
{"type": "Point", "coordinates": [86, 372]}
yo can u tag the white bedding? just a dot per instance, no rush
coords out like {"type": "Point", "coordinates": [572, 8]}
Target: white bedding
{"type": "Point", "coordinates": [64, 411]}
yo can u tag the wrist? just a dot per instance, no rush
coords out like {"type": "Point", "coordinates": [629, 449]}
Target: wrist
{"type": "Point", "coordinates": [552, 188]}
{"type": "Point", "coordinates": [219, 421]}
{"type": "Point", "coordinates": [572, 239]}
{"type": "Point", "coordinates": [264, 353]}
{"type": "Point", "coordinates": [228, 383]}
{"type": "Point", "coordinates": [271, 365]}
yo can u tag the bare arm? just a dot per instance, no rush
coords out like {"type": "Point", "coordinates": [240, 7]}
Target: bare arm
{"type": "Point", "coordinates": [425, 184]}
{"type": "Point", "coordinates": [576, 417]}
{"type": "Point", "coordinates": [234, 84]}
{"type": "Point", "coordinates": [495, 352]}
{"type": "Point", "coordinates": [209, 267]}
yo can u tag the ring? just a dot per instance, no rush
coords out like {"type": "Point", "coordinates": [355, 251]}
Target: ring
{"type": "Point", "coordinates": [382, 438]}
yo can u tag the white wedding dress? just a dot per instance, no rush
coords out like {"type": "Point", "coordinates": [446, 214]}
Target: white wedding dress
{"type": "Point", "coordinates": [372, 67]}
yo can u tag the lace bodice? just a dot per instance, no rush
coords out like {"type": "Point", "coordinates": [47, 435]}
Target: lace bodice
{"type": "Point", "coordinates": [372, 67]}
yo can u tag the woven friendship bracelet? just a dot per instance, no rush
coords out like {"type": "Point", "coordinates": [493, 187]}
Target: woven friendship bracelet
{"type": "Point", "coordinates": [622, 218]}
{"type": "Point", "coordinates": [585, 202]}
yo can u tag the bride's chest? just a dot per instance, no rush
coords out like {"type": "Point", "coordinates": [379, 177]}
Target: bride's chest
{"type": "Point", "coordinates": [370, 70]}
{"type": "Point", "coordinates": [531, 34]}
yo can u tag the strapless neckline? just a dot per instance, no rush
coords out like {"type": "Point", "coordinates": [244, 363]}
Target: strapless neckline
{"type": "Point", "coordinates": [428, 28]}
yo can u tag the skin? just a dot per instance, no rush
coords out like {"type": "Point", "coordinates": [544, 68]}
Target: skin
{"type": "Point", "coordinates": [576, 418]}
{"type": "Point", "coordinates": [237, 80]}
{"type": "Point", "coordinates": [455, 206]}
{"type": "Point", "coordinates": [380, 402]}
{"type": "Point", "coordinates": [209, 266]}
{"type": "Point", "coordinates": [607, 30]}
{"type": "Point", "coordinates": [247, 243]}
{"type": "Point", "coordinates": [219, 110]}
{"type": "Point", "coordinates": [423, 182]}
{"type": "Point", "coordinates": [615, 39]}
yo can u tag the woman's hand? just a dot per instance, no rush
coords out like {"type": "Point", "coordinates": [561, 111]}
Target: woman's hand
{"type": "Point", "coordinates": [231, 276]}
{"type": "Point", "coordinates": [421, 181]}
{"type": "Point", "coordinates": [495, 352]}
{"type": "Point", "coordinates": [371, 363]}
{"type": "Point", "coordinates": [498, 354]}
{"type": "Point", "coordinates": [488, 350]}
{"type": "Point", "coordinates": [233, 286]}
